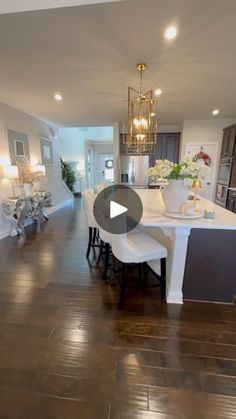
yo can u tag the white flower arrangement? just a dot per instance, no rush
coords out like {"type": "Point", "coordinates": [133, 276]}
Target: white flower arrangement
{"type": "Point", "coordinates": [186, 169]}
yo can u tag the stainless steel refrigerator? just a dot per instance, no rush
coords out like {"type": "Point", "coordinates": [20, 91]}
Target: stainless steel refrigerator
{"type": "Point", "coordinates": [131, 171]}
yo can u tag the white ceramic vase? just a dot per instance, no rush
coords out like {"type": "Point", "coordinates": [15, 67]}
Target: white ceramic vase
{"type": "Point", "coordinates": [28, 189]}
{"type": "Point", "coordinates": [174, 195]}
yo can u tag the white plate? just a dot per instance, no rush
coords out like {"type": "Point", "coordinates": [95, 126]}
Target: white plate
{"type": "Point", "coordinates": [182, 216]}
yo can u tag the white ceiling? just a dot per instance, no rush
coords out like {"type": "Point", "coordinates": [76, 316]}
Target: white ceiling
{"type": "Point", "coordinates": [12, 6]}
{"type": "Point", "coordinates": [89, 53]}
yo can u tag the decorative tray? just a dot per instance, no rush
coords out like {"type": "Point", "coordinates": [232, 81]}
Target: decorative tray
{"type": "Point", "coordinates": [183, 216]}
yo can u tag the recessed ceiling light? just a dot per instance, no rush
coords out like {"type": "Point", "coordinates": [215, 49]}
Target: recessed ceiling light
{"type": "Point", "coordinates": [58, 97]}
{"type": "Point", "coordinates": [171, 32]}
{"type": "Point", "coordinates": [158, 92]}
{"type": "Point", "coordinates": [215, 112]}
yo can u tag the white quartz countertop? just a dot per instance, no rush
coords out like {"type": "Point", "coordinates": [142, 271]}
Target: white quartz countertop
{"type": "Point", "coordinates": [153, 214]}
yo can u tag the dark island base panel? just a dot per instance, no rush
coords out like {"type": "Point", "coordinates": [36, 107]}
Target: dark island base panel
{"type": "Point", "coordinates": [210, 271]}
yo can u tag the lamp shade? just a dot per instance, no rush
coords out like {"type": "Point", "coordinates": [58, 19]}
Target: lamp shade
{"type": "Point", "coordinates": [10, 172]}
{"type": "Point", "coordinates": [197, 184]}
{"type": "Point", "coordinates": [40, 169]}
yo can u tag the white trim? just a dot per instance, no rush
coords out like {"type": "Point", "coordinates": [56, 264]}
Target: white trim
{"type": "Point", "coordinates": [209, 301]}
{"type": "Point", "coordinates": [7, 6]}
{"type": "Point", "coordinates": [4, 234]}
{"type": "Point", "coordinates": [57, 207]}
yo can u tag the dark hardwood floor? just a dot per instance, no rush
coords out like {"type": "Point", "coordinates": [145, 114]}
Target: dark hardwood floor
{"type": "Point", "coordinates": [66, 352]}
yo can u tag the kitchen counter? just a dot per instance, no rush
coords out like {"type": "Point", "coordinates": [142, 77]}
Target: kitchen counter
{"type": "Point", "coordinates": [175, 233]}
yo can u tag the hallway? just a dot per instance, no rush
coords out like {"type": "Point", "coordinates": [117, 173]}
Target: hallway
{"type": "Point", "coordinates": [66, 352]}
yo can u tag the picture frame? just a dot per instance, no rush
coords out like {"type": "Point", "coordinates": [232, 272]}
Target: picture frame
{"type": "Point", "coordinates": [46, 151]}
{"type": "Point", "coordinates": [18, 147]}
{"type": "Point", "coordinates": [207, 151]}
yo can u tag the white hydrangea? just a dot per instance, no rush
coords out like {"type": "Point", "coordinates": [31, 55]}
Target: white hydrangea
{"type": "Point", "coordinates": [186, 169]}
{"type": "Point", "coordinates": [161, 170]}
{"type": "Point", "coordinates": [193, 170]}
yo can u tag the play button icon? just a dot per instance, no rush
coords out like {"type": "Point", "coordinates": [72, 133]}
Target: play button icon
{"type": "Point", "coordinates": [118, 209]}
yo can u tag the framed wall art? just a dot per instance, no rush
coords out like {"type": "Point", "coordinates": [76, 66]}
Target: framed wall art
{"type": "Point", "coordinates": [46, 151]}
{"type": "Point", "coordinates": [206, 152]}
{"type": "Point", "coordinates": [18, 147]}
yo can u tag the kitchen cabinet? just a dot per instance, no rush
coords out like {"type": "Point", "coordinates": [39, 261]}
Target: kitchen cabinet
{"type": "Point", "coordinates": [231, 201]}
{"type": "Point", "coordinates": [210, 269]}
{"type": "Point", "coordinates": [228, 142]}
{"type": "Point", "coordinates": [227, 170]}
{"type": "Point", "coordinates": [166, 147]}
{"type": "Point", "coordinates": [123, 147]}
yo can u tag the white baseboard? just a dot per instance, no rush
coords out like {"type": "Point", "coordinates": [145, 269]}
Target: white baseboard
{"type": "Point", "coordinates": [57, 207]}
{"type": "Point", "coordinates": [4, 234]}
{"type": "Point", "coordinates": [47, 211]}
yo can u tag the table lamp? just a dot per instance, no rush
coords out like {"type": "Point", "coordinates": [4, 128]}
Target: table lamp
{"type": "Point", "coordinates": [196, 185]}
{"type": "Point", "coordinates": [11, 173]}
{"type": "Point", "coordinates": [40, 170]}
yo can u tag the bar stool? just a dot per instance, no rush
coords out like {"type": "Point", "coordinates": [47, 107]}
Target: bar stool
{"type": "Point", "coordinates": [89, 197]}
{"type": "Point", "coordinates": [99, 188]}
{"type": "Point", "coordinates": [105, 250]}
{"type": "Point", "coordinates": [137, 249]}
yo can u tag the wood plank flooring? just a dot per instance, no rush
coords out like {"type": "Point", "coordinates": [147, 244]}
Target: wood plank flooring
{"type": "Point", "coordinates": [66, 352]}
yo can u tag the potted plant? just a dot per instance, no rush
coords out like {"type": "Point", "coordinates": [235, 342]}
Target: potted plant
{"type": "Point", "coordinates": [68, 175]}
{"type": "Point", "coordinates": [175, 193]}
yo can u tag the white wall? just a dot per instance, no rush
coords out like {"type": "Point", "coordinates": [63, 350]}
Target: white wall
{"type": "Point", "coordinates": [204, 130]}
{"type": "Point", "coordinates": [74, 142]}
{"type": "Point", "coordinates": [170, 128]}
{"type": "Point", "coordinates": [19, 121]}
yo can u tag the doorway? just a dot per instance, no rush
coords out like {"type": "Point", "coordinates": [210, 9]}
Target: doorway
{"type": "Point", "coordinates": [106, 169]}
{"type": "Point", "coordinates": [99, 163]}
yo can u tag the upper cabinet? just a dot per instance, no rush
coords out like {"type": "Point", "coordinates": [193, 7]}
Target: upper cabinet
{"type": "Point", "coordinates": [227, 170]}
{"type": "Point", "coordinates": [166, 147]}
{"type": "Point", "coordinates": [228, 142]}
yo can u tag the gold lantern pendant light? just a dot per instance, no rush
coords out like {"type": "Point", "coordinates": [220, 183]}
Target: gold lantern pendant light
{"type": "Point", "coordinates": [142, 125]}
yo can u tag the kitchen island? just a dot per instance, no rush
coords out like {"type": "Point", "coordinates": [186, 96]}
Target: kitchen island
{"type": "Point", "coordinates": [201, 253]}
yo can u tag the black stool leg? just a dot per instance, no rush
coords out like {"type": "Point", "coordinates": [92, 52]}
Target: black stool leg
{"type": "Point", "coordinates": [100, 251]}
{"type": "Point", "coordinates": [107, 250]}
{"type": "Point", "coordinates": [144, 281]}
{"type": "Point", "coordinates": [163, 279]}
{"type": "Point", "coordinates": [94, 235]}
{"type": "Point", "coordinates": [123, 287]}
{"type": "Point", "coordinates": [89, 242]}
{"type": "Point", "coordinates": [140, 273]}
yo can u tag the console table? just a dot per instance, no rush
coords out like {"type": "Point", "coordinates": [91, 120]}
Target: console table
{"type": "Point", "coordinates": [18, 210]}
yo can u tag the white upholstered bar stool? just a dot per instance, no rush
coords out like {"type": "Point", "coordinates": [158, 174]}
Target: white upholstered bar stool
{"type": "Point", "coordinates": [137, 249]}
{"type": "Point", "coordinates": [88, 198]}
{"type": "Point", "coordinates": [100, 187]}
